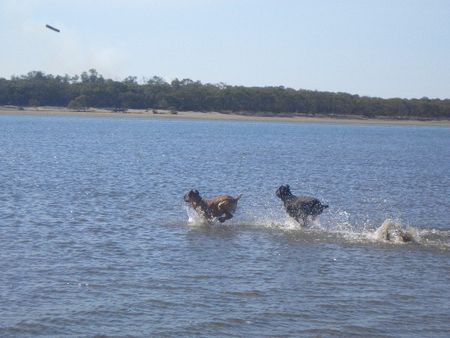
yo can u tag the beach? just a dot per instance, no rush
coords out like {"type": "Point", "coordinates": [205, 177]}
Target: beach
{"type": "Point", "coordinates": [194, 115]}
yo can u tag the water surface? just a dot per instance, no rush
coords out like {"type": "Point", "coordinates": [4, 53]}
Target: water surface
{"type": "Point", "coordinates": [96, 239]}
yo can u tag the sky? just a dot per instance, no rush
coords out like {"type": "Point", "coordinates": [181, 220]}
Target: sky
{"type": "Point", "coordinates": [382, 48]}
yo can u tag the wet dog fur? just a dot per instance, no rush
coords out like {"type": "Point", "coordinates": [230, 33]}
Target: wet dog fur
{"type": "Point", "coordinates": [299, 207]}
{"type": "Point", "coordinates": [220, 207]}
{"type": "Point", "coordinates": [393, 232]}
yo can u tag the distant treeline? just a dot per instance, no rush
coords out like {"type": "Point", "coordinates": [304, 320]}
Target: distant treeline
{"type": "Point", "coordinates": [90, 89]}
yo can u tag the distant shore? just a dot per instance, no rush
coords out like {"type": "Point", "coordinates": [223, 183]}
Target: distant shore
{"type": "Point", "coordinates": [141, 113]}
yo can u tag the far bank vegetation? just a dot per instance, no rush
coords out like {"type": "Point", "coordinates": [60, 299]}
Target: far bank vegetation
{"type": "Point", "coordinates": [91, 89]}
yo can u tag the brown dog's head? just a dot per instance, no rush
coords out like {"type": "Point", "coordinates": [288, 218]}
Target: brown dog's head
{"type": "Point", "coordinates": [192, 196]}
{"type": "Point", "coordinates": [283, 192]}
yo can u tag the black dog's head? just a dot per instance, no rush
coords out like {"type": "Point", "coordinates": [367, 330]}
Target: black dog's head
{"type": "Point", "coordinates": [192, 196]}
{"type": "Point", "coordinates": [283, 192]}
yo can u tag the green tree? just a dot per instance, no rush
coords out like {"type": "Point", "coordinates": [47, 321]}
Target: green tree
{"type": "Point", "coordinates": [79, 103]}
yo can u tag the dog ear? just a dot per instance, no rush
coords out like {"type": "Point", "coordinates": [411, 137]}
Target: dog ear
{"type": "Point", "coordinates": [277, 192]}
{"type": "Point", "coordinates": [195, 192]}
{"type": "Point", "coordinates": [287, 187]}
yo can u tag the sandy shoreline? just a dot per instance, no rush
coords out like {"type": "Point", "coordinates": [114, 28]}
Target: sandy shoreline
{"type": "Point", "coordinates": [161, 114]}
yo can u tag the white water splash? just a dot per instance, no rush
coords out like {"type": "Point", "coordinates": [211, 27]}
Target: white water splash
{"type": "Point", "coordinates": [391, 230]}
{"type": "Point", "coordinates": [193, 218]}
{"type": "Point", "coordinates": [337, 226]}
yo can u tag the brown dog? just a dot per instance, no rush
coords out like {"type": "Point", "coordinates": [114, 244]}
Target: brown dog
{"type": "Point", "coordinates": [213, 207]}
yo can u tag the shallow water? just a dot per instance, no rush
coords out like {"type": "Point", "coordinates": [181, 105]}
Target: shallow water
{"type": "Point", "coordinates": [96, 239]}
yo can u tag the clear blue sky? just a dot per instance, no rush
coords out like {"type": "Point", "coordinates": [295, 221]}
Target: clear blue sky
{"type": "Point", "coordinates": [386, 48]}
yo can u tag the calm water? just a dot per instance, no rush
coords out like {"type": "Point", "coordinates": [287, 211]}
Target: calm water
{"type": "Point", "coordinates": [96, 239]}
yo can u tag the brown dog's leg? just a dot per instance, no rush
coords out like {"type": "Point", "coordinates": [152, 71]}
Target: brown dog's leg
{"type": "Point", "coordinates": [224, 218]}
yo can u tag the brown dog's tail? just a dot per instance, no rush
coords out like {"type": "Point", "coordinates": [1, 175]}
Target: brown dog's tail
{"type": "Point", "coordinates": [238, 197]}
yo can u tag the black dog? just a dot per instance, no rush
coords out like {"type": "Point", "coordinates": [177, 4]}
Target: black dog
{"type": "Point", "coordinates": [300, 207]}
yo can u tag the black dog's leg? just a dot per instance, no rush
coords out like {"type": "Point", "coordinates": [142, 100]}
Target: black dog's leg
{"type": "Point", "coordinates": [301, 219]}
{"type": "Point", "coordinates": [224, 218]}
